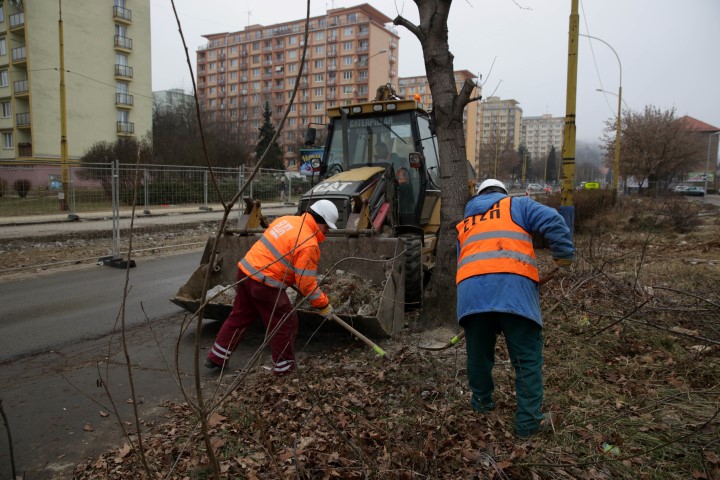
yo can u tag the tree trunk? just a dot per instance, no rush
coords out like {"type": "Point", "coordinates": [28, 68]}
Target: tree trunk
{"type": "Point", "coordinates": [448, 106]}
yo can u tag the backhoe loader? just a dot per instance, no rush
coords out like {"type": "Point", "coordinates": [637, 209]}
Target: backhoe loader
{"type": "Point", "coordinates": [389, 211]}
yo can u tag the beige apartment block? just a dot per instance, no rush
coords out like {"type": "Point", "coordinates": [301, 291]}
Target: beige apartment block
{"type": "Point", "coordinates": [350, 53]}
{"type": "Point", "coordinates": [499, 130]}
{"type": "Point", "coordinates": [410, 86]}
{"type": "Point", "coordinates": [108, 94]}
{"type": "Point", "coordinates": [540, 134]}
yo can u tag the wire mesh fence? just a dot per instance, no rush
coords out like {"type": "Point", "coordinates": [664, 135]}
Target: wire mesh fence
{"type": "Point", "coordinates": [38, 189]}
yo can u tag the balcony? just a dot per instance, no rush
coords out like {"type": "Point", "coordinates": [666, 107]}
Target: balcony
{"type": "Point", "coordinates": [21, 87]}
{"type": "Point", "coordinates": [22, 119]}
{"type": "Point", "coordinates": [124, 100]}
{"type": "Point", "coordinates": [123, 43]}
{"type": "Point", "coordinates": [25, 149]}
{"type": "Point", "coordinates": [122, 15]}
{"type": "Point", "coordinates": [17, 21]}
{"type": "Point", "coordinates": [125, 128]}
{"type": "Point", "coordinates": [123, 71]}
{"type": "Point", "coordinates": [19, 54]}
{"type": "Point", "coordinates": [393, 45]}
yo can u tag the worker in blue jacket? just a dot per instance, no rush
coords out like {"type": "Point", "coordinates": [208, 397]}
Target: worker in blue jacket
{"type": "Point", "coordinates": [497, 291]}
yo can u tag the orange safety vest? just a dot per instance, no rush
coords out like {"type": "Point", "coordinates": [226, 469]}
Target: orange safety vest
{"type": "Point", "coordinates": [288, 254]}
{"type": "Point", "coordinates": [493, 243]}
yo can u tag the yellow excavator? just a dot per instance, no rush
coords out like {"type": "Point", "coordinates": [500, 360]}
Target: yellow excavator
{"type": "Point", "coordinates": [380, 168]}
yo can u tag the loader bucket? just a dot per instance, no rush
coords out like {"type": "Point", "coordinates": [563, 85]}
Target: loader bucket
{"type": "Point", "coordinates": [378, 261]}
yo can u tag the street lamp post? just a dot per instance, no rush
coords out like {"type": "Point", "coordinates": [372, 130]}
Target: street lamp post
{"type": "Point", "coordinates": [614, 94]}
{"type": "Point", "coordinates": [616, 167]}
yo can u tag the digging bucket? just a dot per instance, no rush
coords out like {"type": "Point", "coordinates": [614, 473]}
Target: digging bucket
{"type": "Point", "coordinates": [379, 262]}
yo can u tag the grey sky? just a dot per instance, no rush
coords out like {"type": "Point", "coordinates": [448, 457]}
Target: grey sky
{"type": "Point", "coordinates": [668, 49]}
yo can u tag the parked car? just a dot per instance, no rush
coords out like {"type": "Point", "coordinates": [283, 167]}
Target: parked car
{"type": "Point", "coordinates": [680, 188]}
{"type": "Point", "coordinates": [534, 187]}
{"type": "Point", "coordinates": [694, 191]}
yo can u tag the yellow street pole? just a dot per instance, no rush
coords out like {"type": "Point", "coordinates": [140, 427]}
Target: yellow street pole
{"type": "Point", "coordinates": [65, 177]}
{"type": "Point", "coordinates": [567, 210]}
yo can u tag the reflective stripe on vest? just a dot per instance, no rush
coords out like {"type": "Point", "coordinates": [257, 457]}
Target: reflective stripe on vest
{"type": "Point", "coordinates": [266, 263]}
{"type": "Point", "coordinates": [493, 243]}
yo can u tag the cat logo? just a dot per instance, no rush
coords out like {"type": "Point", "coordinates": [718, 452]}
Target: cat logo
{"type": "Point", "coordinates": [333, 187]}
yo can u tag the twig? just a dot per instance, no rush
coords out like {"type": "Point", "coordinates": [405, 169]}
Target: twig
{"type": "Point", "coordinates": [10, 442]}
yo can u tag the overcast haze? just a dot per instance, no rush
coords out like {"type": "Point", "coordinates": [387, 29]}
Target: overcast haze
{"type": "Point", "coordinates": [668, 49]}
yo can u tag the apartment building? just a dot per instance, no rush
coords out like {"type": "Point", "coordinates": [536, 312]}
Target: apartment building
{"type": "Point", "coordinates": [409, 86]}
{"type": "Point", "coordinates": [107, 75]}
{"type": "Point", "coordinates": [350, 52]}
{"type": "Point", "coordinates": [540, 134]}
{"type": "Point", "coordinates": [499, 135]}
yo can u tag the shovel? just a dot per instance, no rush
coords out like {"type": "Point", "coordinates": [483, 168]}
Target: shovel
{"type": "Point", "coordinates": [442, 346]}
{"type": "Point", "coordinates": [358, 335]}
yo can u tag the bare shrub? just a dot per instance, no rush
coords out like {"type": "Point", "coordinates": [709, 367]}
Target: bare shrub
{"type": "Point", "coordinates": [22, 187]}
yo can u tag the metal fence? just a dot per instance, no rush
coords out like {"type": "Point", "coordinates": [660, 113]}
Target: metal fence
{"type": "Point", "coordinates": [37, 189]}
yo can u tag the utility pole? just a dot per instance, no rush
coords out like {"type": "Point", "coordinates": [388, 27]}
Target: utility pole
{"type": "Point", "coordinates": [65, 177]}
{"type": "Point", "coordinates": [567, 210]}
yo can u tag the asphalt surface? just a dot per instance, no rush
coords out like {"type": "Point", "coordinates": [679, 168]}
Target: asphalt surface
{"type": "Point", "coordinates": [60, 347]}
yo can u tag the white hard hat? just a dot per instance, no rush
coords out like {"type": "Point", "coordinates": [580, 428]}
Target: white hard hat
{"type": "Point", "coordinates": [327, 210]}
{"type": "Point", "coordinates": [491, 182]}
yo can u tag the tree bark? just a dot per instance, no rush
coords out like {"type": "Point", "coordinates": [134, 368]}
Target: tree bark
{"type": "Point", "coordinates": [448, 106]}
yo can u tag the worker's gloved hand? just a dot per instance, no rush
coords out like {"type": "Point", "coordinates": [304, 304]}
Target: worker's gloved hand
{"type": "Point", "coordinates": [326, 311]}
{"type": "Point", "coordinates": [564, 266]}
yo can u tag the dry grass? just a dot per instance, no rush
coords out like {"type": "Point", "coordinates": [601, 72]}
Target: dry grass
{"type": "Point", "coordinates": [631, 372]}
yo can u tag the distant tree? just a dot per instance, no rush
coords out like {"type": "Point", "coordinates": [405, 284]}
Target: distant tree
{"type": "Point", "coordinates": [176, 140]}
{"type": "Point", "coordinates": [551, 166]}
{"type": "Point", "coordinates": [95, 163]}
{"type": "Point", "coordinates": [654, 146]}
{"type": "Point", "coordinates": [497, 158]}
{"type": "Point", "coordinates": [587, 172]}
{"type": "Point", "coordinates": [274, 158]}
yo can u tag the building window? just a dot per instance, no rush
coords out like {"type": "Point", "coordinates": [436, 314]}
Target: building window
{"type": "Point", "coordinates": [319, 64]}
{"type": "Point", "coordinates": [319, 78]}
{"type": "Point", "coordinates": [348, 46]}
{"type": "Point", "coordinates": [347, 60]}
{"type": "Point", "coordinates": [3, 46]}
{"type": "Point", "coordinates": [8, 141]}
{"type": "Point", "coordinates": [347, 75]}
{"type": "Point", "coordinates": [320, 49]}
{"type": "Point", "coordinates": [292, 40]}
{"type": "Point", "coordinates": [320, 35]}
{"type": "Point", "coordinates": [2, 12]}
{"type": "Point", "coordinates": [6, 109]}
{"type": "Point", "coordinates": [4, 78]}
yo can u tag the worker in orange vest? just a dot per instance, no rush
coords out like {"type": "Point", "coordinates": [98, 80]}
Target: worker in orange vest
{"type": "Point", "coordinates": [497, 291]}
{"type": "Point", "coordinates": [287, 255]}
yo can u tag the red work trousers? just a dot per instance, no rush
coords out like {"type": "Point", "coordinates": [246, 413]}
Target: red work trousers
{"type": "Point", "coordinates": [272, 305]}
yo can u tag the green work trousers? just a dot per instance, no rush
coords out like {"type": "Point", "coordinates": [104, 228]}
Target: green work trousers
{"type": "Point", "coordinates": [524, 342]}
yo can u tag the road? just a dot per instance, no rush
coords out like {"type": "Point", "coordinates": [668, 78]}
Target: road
{"type": "Point", "coordinates": [51, 310]}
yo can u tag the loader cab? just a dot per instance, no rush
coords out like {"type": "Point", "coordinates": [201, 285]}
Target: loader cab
{"type": "Point", "coordinates": [390, 134]}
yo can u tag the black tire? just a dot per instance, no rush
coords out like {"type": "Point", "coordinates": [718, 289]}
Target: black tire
{"type": "Point", "coordinates": [413, 271]}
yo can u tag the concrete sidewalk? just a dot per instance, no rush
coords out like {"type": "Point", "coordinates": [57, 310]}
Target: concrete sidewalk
{"type": "Point", "coordinates": [60, 224]}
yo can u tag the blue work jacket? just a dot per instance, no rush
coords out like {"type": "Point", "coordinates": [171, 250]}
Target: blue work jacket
{"type": "Point", "coordinates": [507, 292]}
